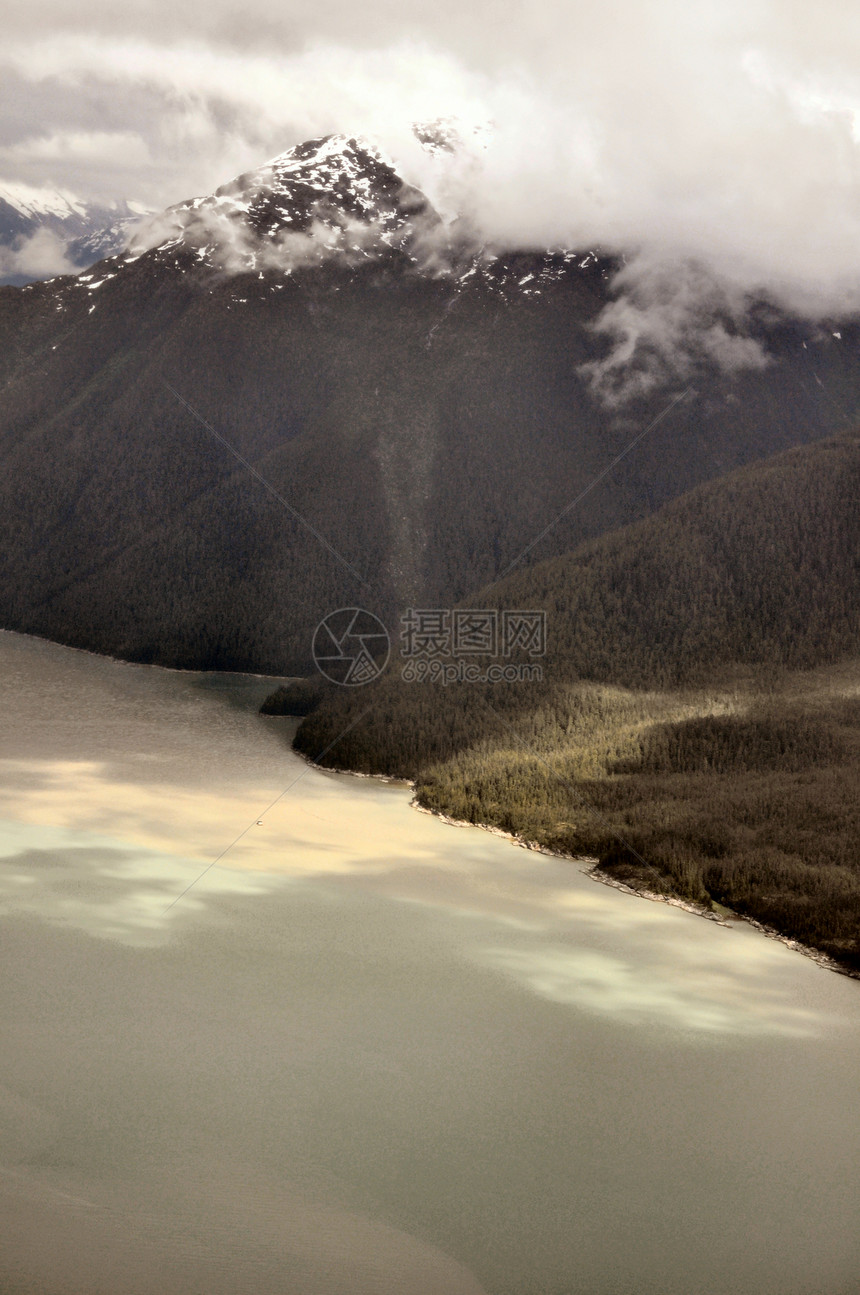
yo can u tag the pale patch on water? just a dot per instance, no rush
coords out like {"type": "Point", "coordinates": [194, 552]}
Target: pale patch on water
{"type": "Point", "coordinates": [700, 1000]}
{"type": "Point", "coordinates": [699, 978]}
{"type": "Point", "coordinates": [101, 885]}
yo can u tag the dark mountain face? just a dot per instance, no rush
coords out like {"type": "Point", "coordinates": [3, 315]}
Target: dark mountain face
{"type": "Point", "coordinates": [417, 403]}
{"type": "Point", "coordinates": [758, 569]}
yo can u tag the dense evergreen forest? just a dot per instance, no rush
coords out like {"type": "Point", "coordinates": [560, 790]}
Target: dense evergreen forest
{"type": "Point", "coordinates": [698, 726]}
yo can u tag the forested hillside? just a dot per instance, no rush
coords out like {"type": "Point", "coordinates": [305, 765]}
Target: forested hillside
{"type": "Point", "coordinates": [760, 569]}
{"type": "Point", "coordinates": [698, 726]}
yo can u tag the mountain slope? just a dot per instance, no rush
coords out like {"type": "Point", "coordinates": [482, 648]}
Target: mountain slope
{"type": "Point", "coordinates": [419, 403]}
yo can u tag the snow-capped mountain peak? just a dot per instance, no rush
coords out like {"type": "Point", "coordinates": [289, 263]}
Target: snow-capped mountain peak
{"type": "Point", "coordinates": [326, 158]}
{"type": "Point", "coordinates": [337, 194]}
{"type": "Point", "coordinates": [335, 200]}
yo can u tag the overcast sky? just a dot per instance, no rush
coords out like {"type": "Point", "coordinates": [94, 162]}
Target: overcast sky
{"type": "Point", "coordinates": [725, 132]}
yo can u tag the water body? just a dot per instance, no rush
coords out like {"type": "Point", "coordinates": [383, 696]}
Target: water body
{"type": "Point", "coordinates": [369, 1053]}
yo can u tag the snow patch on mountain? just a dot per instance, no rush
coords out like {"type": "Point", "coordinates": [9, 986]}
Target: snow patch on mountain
{"type": "Point", "coordinates": [450, 135]}
{"type": "Point", "coordinates": [35, 203]}
{"type": "Point", "coordinates": [108, 240]}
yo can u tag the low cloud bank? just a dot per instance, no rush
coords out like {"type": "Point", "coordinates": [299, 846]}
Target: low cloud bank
{"type": "Point", "coordinates": [667, 320]}
{"type": "Point", "coordinates": [41, 256]}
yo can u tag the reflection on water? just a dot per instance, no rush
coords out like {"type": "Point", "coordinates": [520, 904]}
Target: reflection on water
{"type": "Point", "coordinates": [370, 1052]}
{"type": "Point", "coordinates": [596, 982]}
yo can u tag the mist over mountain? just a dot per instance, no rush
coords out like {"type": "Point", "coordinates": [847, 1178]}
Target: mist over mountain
{"type": "Point", "coordinates": [422, 405]}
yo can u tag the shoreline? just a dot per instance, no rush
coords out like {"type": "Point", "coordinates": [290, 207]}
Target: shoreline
{"type": "Point", "coordinates": [822, 959]}
{"type": "Point", "coordinates": [594, 872]}
{"type": "Point", "coordinates": [151, 665]}
{"type": "Point", "coordinates": [589, 864]}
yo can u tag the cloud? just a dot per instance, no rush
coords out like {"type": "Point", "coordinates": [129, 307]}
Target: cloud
{"type": "Point", "coordinates": [680, 132]}
{"type": "Point", "coordinates": [39, 257]}
{"type": "Point", "coordinates": [697, 1001]}
{"type": "Point", "coordinates": [110, 149]}
{"type": "Point", "coordinates": [721, 138]}
{"type": "Point", "coordinates": [666, 322]}
{"type": "Point", "coordinates": [237, 247]}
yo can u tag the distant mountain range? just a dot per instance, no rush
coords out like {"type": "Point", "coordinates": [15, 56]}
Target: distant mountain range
{"type": "Point", "coordinates": [44, 231]}
{"type": "Point", "coordinates": [415, 410]}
